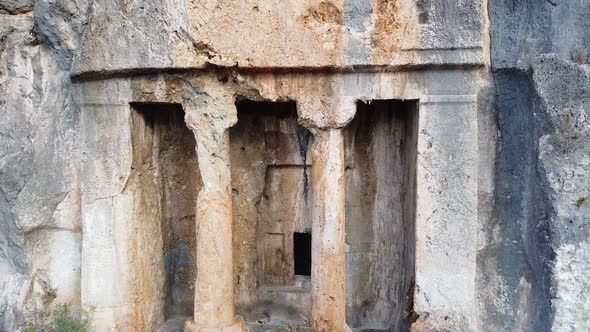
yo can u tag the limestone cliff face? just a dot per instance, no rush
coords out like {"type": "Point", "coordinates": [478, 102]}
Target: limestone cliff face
{"type": "Point", "coordinates": [524, 65]}
{"type": "Point", "coordinates": [536, 237]}
{"type": "Point", "coordinates": [39, 164]}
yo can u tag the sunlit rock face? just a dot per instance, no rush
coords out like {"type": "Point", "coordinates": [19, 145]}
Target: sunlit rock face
{"type": "Point", "coordinates": [334, 165]}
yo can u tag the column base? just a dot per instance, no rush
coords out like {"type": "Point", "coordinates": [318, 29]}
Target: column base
{"type": "Point", "coordinates": [236, 326]}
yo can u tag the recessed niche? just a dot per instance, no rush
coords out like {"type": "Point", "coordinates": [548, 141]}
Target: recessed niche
{"type": "Point", "coordinates": [271, 167]}
{"type": "Point", "coordinates": [380, 163]}
{"type": "Point", "coordinates": [165, 181]}
{"type": "Point", "coordinates": [302, 253]}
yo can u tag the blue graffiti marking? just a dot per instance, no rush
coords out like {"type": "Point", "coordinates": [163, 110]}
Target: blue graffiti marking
{"type": "Point", "coordinates": [184, 252]}
{"type": "Point", "coordinates": [174, 263]}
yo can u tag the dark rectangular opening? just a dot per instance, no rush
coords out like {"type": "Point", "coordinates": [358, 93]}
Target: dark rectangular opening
{"type": "Point", "coordinates": [302, 253]}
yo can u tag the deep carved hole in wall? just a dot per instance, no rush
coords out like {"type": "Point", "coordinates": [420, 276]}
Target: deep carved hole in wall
{"type": "Point", "coordinates": [302, 253]}
{"type": "Point", "coordinates": [165, 180]}
{"type": "Point", "coordinates": [380, 163]}
{"type": "Point", "coordinates": [271, 167]}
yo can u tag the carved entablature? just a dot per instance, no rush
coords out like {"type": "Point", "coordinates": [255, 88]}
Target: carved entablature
{"type": "Point", "coordinates": [271, 34]}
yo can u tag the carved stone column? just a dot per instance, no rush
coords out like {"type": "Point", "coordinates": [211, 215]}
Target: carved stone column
{"type": "Point", "coordinates": [328, 246]}
{"type": "Point", "coordinates": [325, 112]}
{"type": "Point", "coordinates": [214, 303]}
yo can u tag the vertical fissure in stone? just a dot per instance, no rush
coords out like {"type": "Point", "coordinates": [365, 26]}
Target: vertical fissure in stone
{"type": "Point", "coordinates": [303, 139]}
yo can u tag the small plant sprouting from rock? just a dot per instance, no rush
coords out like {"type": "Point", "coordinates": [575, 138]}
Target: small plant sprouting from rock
{"type": "Point", "coordinates": [64, 321]}
{"type": "Point", "coordinates": [580, 202]}
{"type": "Point", "coordinates": [570, 129]}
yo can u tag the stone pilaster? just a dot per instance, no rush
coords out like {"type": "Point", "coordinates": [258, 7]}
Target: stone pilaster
{"type": "Point", "coordinates": [446, 213]}
{"type": "Point", "coordinates": [214, 303]}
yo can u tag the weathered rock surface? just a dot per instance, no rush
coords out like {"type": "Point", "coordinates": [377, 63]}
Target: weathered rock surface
{"type": "Point", "coordinates": [564, 159]}
{"type": "Point", "coordinates": [541, 102]}
{"type": "Point", "coordinates": [502, 160]}
{"type": "Point", "coordinates": [15, 7]}
{"type": "Point", "coordinates": [307, 33]}
{"type": "Point", "coordinates": [39, 163]}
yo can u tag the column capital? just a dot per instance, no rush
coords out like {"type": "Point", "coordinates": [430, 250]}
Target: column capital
{"type": "Point", "coordinates": [325, 112]}
{"type": "Point", "coordinates": [216, 113]}
{"type": "Point", "coordinates": [208, 104]}
{"type": "Point", "coordinates": [209, 114]}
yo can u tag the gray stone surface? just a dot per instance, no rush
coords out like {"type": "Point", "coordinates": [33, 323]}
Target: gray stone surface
{"type": "Point", "coordinates": [564, 159]}
{"type": "Point", "coordinates": [15, 7]}
{"type": "Point", "coordinates": [515, 259]}
{"type": "Point", "coordinates": [532, 249]}
{"type": "Point", "coordinates": [39, 167]}
{"type": "Point", "coordinates": [503, 197]}
{"type": "Point", "coordinates": [523, 30]}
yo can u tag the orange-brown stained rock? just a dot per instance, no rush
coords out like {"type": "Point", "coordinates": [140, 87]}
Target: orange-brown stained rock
{"type": "Point", "coordinates": [214, 287]}
{"type": "Point", "coordinates": [145, 250]}
{"type": "Point", "coordinates": [324, 21]}
{"type": "Point", "coordinates": [140, 291]}
{"type": "Point", "coordinates": [328, 246]}
{"type": "Point", "coordinates": [385, 38]}
{"type": "Point", "coordinates": [324, 12]}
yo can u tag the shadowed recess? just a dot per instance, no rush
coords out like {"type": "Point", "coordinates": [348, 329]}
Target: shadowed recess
{"type": "Point", "coordinates": [380, 163]}
{"type": "Point", "coordinates": [270, 169]}
{"type": "Point", "coordinates": [166, 177]}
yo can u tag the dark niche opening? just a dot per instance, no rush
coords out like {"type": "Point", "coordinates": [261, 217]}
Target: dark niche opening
{"type": "Point", "coordinates": [302, 253]}
{"type": "Point", "coordinates": [165, 181]}
{"type": "Point", "coordinates": [271, 181]}
{"type": "Point", "coordinates": [380, 162]}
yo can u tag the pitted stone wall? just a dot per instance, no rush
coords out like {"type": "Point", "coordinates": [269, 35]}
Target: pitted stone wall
{"type": "Point", "coordinates": [291, 34]}
{"type": "Point", "coordinates": [501, 158]}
